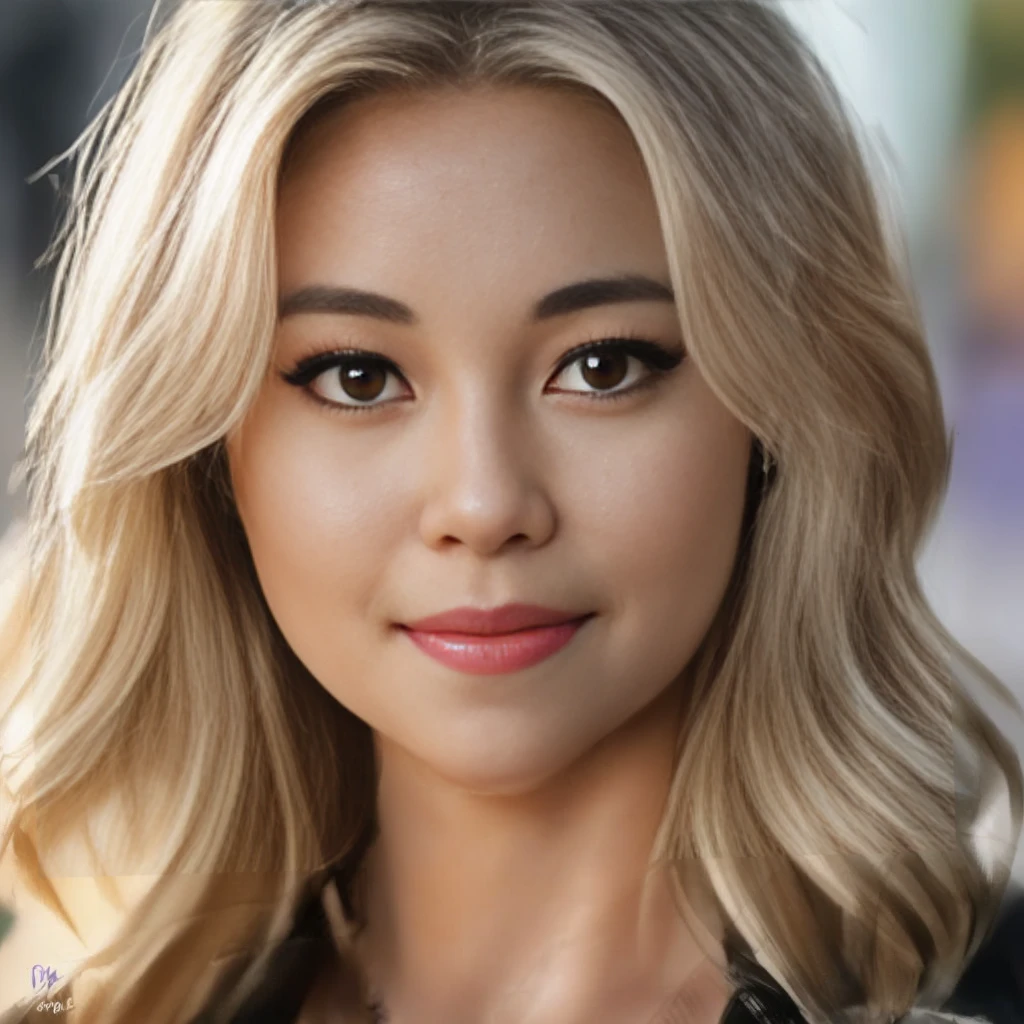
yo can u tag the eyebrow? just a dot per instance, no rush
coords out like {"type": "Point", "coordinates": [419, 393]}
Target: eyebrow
{"type": "Point", "coordinates": [573, 298]}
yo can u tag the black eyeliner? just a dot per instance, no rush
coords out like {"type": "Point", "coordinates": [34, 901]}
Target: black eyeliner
{"type": "Point", "coordinates": [658, 359]}
{"type": "Point", "coordinates": [307, 370]}
{"type": "Point", "coordinates": [655, 355]}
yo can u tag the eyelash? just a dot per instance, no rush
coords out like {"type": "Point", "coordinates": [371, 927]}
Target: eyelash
{"type": "Point", "coordinates": [659, 361]}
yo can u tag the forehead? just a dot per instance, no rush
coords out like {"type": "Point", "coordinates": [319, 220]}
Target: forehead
{"type": "Point", "coordinates": [489, 186]}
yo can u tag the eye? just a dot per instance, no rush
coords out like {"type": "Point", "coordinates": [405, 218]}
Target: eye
{"type": "Point", "coordinates": [358, 381]}
{"type": "Point", "coordinates": [350, 381]}
{"type": "Point", "coordinates": [604, 365]}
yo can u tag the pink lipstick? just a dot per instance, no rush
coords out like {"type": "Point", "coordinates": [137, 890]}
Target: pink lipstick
{"type": "Point", "coordinates": [495, 641]}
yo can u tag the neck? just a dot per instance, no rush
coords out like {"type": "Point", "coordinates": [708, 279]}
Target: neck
{"type": "Point", "coordinates": [537, 906]}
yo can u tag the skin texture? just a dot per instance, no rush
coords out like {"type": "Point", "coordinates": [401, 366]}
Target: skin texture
{"type": "Point", "coordinates": [517, 811]}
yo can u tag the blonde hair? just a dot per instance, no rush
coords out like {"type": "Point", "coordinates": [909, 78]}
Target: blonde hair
{"type": "Point", "coordinates": [833, 769]}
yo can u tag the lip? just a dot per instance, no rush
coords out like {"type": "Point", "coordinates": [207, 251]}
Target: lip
{"type": "Point", "coordinates": [509, 618]}
{"type": "Point", "coordinates": [496, 653]}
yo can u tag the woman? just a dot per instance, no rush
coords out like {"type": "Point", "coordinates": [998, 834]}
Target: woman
{"type": "Point", "coordinates": [328, 412]}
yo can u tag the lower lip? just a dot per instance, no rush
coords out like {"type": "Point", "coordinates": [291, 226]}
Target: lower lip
{"type": "Point", "coordinates": [495, 655]}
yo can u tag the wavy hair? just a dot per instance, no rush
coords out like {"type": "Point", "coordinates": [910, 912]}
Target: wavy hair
{"type": "Point", "coordinates": [836, 779]}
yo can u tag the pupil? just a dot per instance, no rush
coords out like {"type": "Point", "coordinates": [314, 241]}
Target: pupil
{"type": "Point", "coordinates": [358, 382]}
{"type": "Point", "coordinates": [596, 370]}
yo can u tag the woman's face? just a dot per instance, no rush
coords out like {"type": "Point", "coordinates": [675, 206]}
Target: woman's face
{"type": "Point", "coordinates": [468, 463]}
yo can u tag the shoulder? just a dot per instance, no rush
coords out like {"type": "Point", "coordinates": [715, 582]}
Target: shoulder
{"type": "Point", "coordinates": [991, 987]}
{"type": "Point", "coordinates": [993, 983]}
{"type": "Point", "coordinates": [41, 943]}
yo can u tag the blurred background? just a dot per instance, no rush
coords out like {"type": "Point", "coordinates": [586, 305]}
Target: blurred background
{"type": "Point", "coordinates": [938, 86]}
{"type": "Point", "coordinates": [939, 89]}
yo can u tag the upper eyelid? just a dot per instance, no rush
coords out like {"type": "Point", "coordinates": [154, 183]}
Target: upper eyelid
{"type": "Point", "coordinates": [644, 350]}
{"type": "Point", "coordinates": [658, 359]}
{"type": "Point", "coordinates": [329, 359]}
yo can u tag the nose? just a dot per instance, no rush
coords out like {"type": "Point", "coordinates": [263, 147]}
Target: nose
{"type": "Point", "coordinates": [485, 484]}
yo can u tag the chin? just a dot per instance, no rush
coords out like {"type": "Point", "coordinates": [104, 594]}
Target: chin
{"type": "Point", "coordinates": [506, 766]}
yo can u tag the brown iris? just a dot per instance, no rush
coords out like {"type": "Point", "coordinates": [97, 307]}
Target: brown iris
{"type": "Point", "coordinates": [605, 370]}
{"type": "Point", "coordinates": [363, 381]}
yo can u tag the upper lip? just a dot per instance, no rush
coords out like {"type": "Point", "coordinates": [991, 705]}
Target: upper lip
{"type": "Point", "coordinates": [489, 621]}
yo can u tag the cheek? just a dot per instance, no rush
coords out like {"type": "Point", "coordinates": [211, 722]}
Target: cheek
{"type": "Point", "coordinates": [663, 528]}
{"type": "Point", "coordinates": [315, 518]}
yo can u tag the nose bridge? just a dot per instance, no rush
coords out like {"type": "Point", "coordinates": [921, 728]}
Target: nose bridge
{"type": "Point", "coordinates": [482, 425]}
{"type": "Point", "coordinates": [486, 485]}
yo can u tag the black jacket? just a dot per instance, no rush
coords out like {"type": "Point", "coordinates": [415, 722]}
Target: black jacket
{"type": "Point", "coordinates": [991, 987]}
